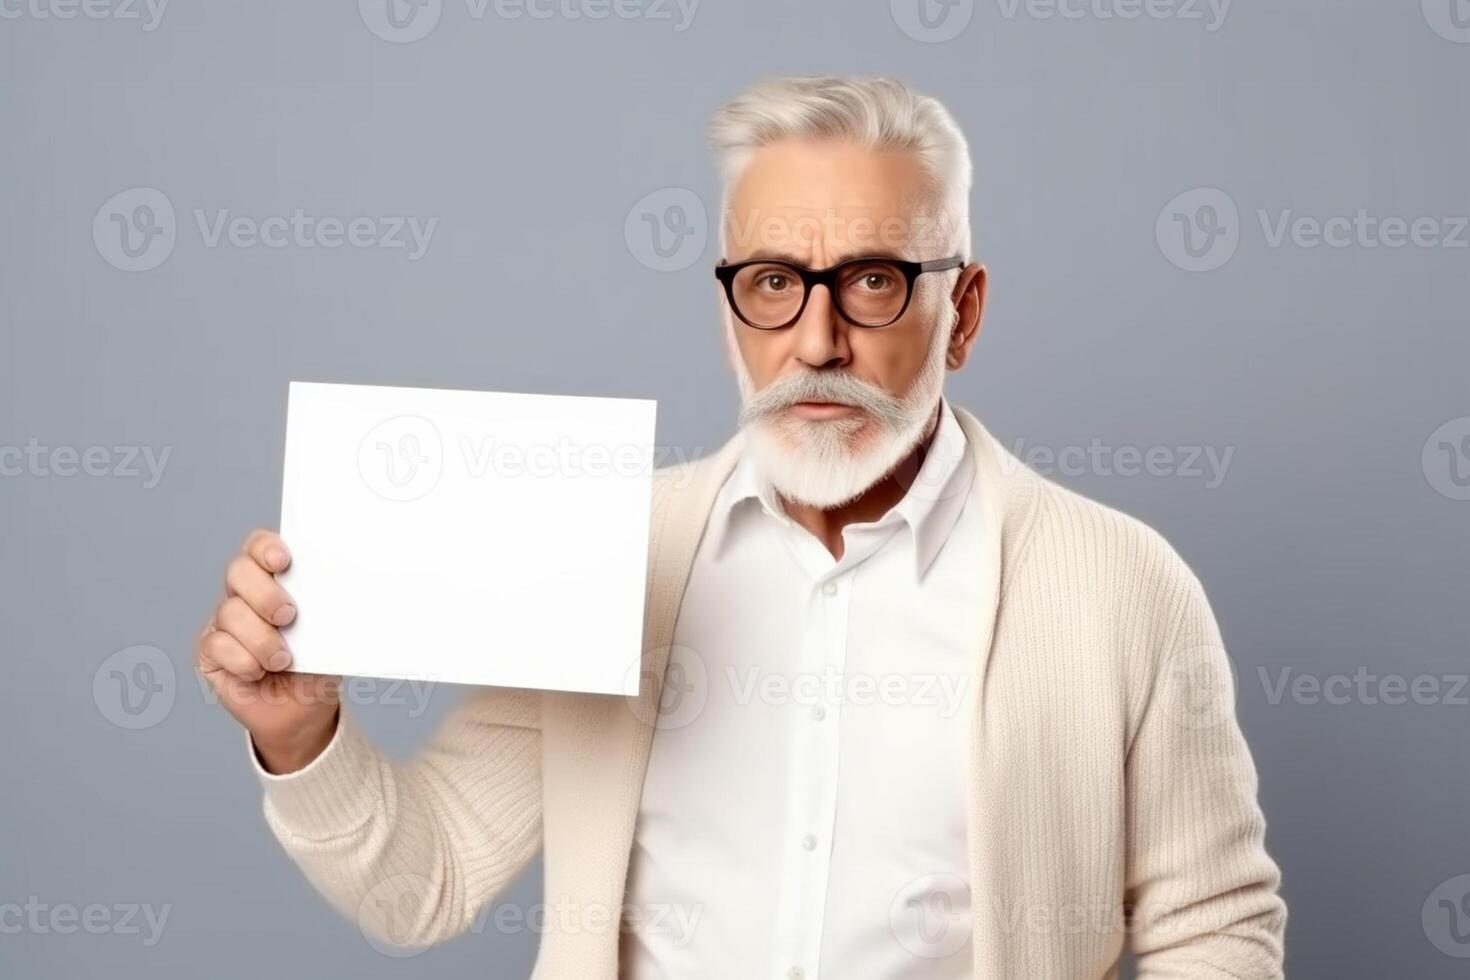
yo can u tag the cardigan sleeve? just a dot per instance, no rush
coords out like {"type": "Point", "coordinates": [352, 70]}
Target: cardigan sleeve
{"type": "Point", "coordinates": [1201, 897]}
{"type": "Point", "coordinates": [413, 851]}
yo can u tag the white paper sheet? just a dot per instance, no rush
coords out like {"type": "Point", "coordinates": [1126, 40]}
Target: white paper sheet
{"type": "Point", "coordinates": [467, 537]}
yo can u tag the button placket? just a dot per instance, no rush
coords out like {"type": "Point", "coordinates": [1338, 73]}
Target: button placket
{"type": "Point", "coordinates": [832, 603]}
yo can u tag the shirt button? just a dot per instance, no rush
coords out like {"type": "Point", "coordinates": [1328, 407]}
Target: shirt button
{"type": "Point", "coordinates": [819, 712]}
{"type": "Point", "coordinates": [809, 842]}
{"type": "Point", "coordinates": [830, 588]}
{"type": "Point", "coordinates": [795, 973]}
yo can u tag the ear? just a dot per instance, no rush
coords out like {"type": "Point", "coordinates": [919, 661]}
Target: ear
{"type": "Point", "coordinates": [969, 301]}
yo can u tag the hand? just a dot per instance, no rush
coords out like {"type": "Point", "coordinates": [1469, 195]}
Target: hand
{"type": "Point", "coordinates": [291, 717]}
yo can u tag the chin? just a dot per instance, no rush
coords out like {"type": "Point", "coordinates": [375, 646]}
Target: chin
{"type": "Point", "coordinates": [826, 464]}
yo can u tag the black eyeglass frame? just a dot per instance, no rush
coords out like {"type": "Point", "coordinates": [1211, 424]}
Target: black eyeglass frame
{"type": "Point", "coordinates": [725, 272]}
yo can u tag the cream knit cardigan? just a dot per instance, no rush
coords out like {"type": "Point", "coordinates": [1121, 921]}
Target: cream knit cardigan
{"type": "Point", "coordinates": [1112, 798]}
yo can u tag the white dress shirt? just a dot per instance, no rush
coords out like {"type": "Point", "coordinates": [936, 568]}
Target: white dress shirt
{"type": "Point", "coordinates": [804, 809]}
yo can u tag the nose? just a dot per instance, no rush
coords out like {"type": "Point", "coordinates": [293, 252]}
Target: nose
{"type": "Point", "coordinates": [820, 336]}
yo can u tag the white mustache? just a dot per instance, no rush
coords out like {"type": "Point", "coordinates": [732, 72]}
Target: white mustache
{"type": "Point", "coordinates": [838, 387]}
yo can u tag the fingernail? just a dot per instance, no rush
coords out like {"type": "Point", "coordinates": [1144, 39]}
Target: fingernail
{"type": "Point", "coordinates": [280, 660]}
{"type": "Point", "coordinates": [285, 614]}
{"type": "Point", "coordinates": [276, 557]}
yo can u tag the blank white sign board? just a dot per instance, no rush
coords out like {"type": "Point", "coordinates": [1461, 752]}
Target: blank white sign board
{"type": "Point", "coordinates": [467, 537]}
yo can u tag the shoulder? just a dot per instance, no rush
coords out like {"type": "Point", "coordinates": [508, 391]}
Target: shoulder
{"type": "Point", "coordinates": [1108, 577]}
{"type": "Point", "coordinates": [1114, 551]}
{"type": "Point", "coordinates": [1093, 566]}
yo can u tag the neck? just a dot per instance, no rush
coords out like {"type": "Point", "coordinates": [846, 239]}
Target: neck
{"type": "Point", "coordinates": [826, 525]}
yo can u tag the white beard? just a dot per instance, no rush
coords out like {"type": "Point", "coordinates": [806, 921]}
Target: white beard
{"type": "Point", "coordinates": [826, 463]}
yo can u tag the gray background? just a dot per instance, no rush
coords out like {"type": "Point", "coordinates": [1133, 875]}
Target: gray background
{"type": "Point", "coordinates": [1335, 543]}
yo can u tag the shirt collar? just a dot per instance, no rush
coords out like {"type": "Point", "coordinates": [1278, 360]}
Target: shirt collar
{"type": "Point", "coordinates": [929, 509]}
{"type": "Point", "coordinates": [934, 501]}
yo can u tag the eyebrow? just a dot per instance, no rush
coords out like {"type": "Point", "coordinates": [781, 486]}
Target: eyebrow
{"type": "Point", "coordinates": [771, 255]}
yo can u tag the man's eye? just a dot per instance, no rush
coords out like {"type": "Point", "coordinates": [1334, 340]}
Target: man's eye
{"type": "Point", "coordinates": [873, 281]}
{"type": "Point", "coordinates": [774, 282]}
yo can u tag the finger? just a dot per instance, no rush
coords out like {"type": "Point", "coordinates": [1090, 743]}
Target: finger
{"type": "Point", "coordinates": [221, 652]}
{"type": "Point", "coordinates": [253, 633]}
{"type": "Point", "coordinates": [268, 550]}
{"type": "Point", "coordinates": [246, 579]}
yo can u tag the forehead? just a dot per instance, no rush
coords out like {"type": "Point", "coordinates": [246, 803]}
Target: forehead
{"type": "Point", "coordinates": [828, 200]}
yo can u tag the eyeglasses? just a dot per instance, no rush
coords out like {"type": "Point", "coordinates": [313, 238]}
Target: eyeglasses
{"type": "Point", "coordinates": [768, 294]}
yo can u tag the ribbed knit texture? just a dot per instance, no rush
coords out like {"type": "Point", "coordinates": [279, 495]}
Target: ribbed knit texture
{"type": "Point", "coordinates": [1112, 797]}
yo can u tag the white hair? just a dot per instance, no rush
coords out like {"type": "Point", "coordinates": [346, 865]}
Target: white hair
{"type": "Point", "coordinates": [878, 112]}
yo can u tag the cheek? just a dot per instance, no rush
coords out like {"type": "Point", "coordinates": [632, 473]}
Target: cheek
{"type": "Point", "coordinates": [763, 354]}
{"type": "Point", "coordinates": [892, 356]}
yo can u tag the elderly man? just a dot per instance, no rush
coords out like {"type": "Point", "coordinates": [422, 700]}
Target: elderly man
{"type": "Point", "coordinates": [909, 709]}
